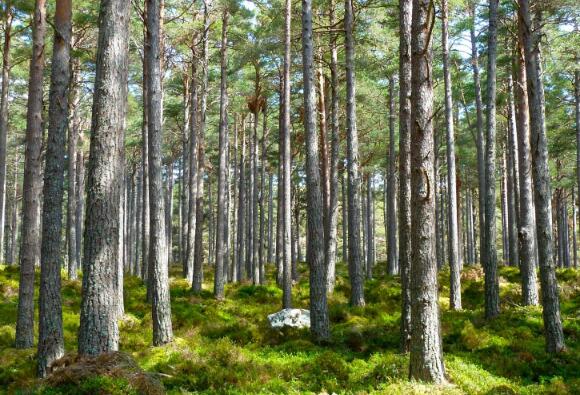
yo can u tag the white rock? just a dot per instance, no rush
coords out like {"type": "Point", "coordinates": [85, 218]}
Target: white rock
{"type": "Point", "coordinates": [294, 318]}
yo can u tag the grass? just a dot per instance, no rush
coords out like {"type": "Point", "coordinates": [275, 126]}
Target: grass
{"type": "Point", "coordinates": [227, 346]}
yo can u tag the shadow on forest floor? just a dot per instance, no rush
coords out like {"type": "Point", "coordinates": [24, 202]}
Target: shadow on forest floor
{"type": "Point", "coordinates": [227, 346]}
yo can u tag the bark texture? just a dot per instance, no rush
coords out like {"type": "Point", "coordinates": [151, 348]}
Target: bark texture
{"type": "Point", "coordinates": [426, 360]}
{"type": "Point", "coordinates": [98, 332]}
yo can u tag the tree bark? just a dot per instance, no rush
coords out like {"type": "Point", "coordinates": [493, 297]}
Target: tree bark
{"type": "Point", "coordinates": [222, 217]}
{"type": "Point", "coordinates": [332, 224]}
{"type": "Point", "coordinates": [50, 330]}
{"type": "Point", "coordinates": [193, 179]}
{"type": "Point", "coordinates": [158, 275]}
{"type": "Point", "coordinates": [31, 190]}
{"type": "Point", "coordinates": [453, 238]}
{"type": "Point", "coordinates": [405, 7]}
{"type": "Point", "coordinates": [4, 90]}
{"type": "Point", "coordinates": [490, 252]}
{"type": "Point", "coordinates": [98, 332]}
{"type": "Point", "coordinates": [354, 246]}
{"type": "Point", "coordinates": [526, 233]}
{"type": "Point", "coordinates": [541, 176]}
{"type": "Point", "coordinates": [241, 209]}
{"type": "Point", "coordinates": [370, 228]}
{"type": "Point", "coordinates": [320, 325]}
{"type": "Point", "coordinates": [287, 163]}
{"type": "Point", "coordinates": [481, 142]}
{"type": "Point", "coordinates": [426, 361]}
{"type": "Point", "coordinates": [392, 253]}
{"type": "Point", "coordinates": [73, 134]}
{"type": "Point", "coordinates": [512, 179]}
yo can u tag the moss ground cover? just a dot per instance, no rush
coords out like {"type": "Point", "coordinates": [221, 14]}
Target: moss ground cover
{"type": "Point", "coordinates": [227, 347]}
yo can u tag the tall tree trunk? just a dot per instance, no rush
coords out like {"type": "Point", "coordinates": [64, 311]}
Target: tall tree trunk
{"type": "Point", "coordinates": [577, 113]}
{"type": "Point", "coordinates": [6, 67]}
{"type": "Point", "coordinates": [241, 209]}
{"type": "Point", "coordinates": [287, 165]}
{"type": "Point", "coordinates": [332, 223]}
{"type": "Point", "coordinates": [98, 332]}
{"type": "Point", "coordinates": [80, 198]}
{"type": "Point", "coordinates": [541, 176]}
{"type": "Point", "coordinates": [405, 7]}
{"type": "Point", "coordinates": [169, 213]}
{"type": "Point", "coordinates": [158, 275]}
{"type": "Point", "coordinates": [320, 327]}
{"type": "Point", "coordinates": [354, 246]}
{"type": "Point", "coordinates": [426, 361]}
{"type": "Point", "coordinates": [262, 237]}
{"type": "Point", "coordinates": [454, 264]}
{"type": "Point", "coordinates": [513, 177]}
{"type": "Point", "coordinates": [392, 253]}
{"type": "Point", "coordinates": [481, 142]}
{"type": "Point", "coordinates": [11, 251]}
{"type": "Point", "coordinates": [504, 212]}
{"type": "Point", "coordinates": [526, 232]}
{"type": "Point", "coordinates": [73, 132]}
{"type": "Point", "coordinates": [192, 179]}
{"type": "Point", "coordinates": [370, 228]}
{"type": "Point", "coordinates": [574, 243]}
{"type": "Point", "coordinates": [489, 248]}
{"type": "Point", "coordinates": [145, 221]}
{"type": "Point", "coordinates": [222, 217]}
{"type": "Point", "coordinates": [185, 170]}
{"type": "Point", "coordinates": [31, 190]}
{"type": "Point", "coordinates": [50, 330]}
{"type": "Point", "coordinates": [270, 232]}
{"type": "Point", "coordinates": [344, 195]}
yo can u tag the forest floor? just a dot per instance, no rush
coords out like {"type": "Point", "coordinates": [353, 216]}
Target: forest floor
{"type": "Point", "coordinates": [227, 346]}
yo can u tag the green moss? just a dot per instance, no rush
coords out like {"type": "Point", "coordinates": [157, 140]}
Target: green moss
{"type": "Point", "coordinates": [228, 347]}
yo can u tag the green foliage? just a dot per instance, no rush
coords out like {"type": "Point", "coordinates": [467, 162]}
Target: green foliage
{"type": "Point", "coordinates": [228, 347]}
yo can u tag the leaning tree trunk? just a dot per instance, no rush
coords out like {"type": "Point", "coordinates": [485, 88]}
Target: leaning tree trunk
{"type": "Point", "coordinates": [98, 332]}
{"type": "Point", "coordinates": [405, 7]}
{"type": "Point", "coordinates": [50, 330]}
{"type": "Point", "coordinates": [392, 253]}
{"type": "Point", "coordinates": [222, 216]}
{"type": "Point", "coordinates": [320, 327]}
{"type": "Point", "coordinates": [541, 176]}
{"type": "Point", "coordinates": [489, 248]}
{"type": "Point", "coordinates": [426, 361]}
{"type": "Point", "coordinates": [354, 240]}
{"type": "Point", "coordinates": [453, 239]}
{"type": "Point", "coordinates": [30, 242]}
{"type": "Point", "coordinates": [158, 276]}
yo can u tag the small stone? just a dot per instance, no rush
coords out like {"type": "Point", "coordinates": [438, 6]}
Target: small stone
{"type": "Point", "coordinates": [293, 318]}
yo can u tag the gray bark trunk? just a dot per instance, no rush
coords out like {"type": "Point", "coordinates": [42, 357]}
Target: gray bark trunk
{"type": "Point", "coordinates": [541, 178]}
{"type": "Point", "coordinates": [370, 229]}
{"type": "Point", "coordinates": [286, 164]}
{"type": "Point", "coordinates": [392, 253]}
{"type": "Point", "coordinates": [222, 216]}
{"type": "Point", "coordinates": [158, 275]}
{"type": "Point", "coordinates": [405, 7]}
{"type": "Point", "coordinates": [526, 232]}
{"type": "Point", "coordinates": [354, 240]}
{"type": "Point", "coordinates": [453, 239]}
{"type": "Point", "coordinates": [73, 132]}
{"type": "Point", "coordinates": [481, 142]}
{"type": "Point", "coordinates": [512, 179]}
{"type": "Point", "coordinates": [241, 210]}
{"type": "Point", "coordinates": [489, 251]}
{"type": "Point", "coordinates": [320, 325]}
{"type": "Point", "coordinates": [50, 330]}
{"type": "Point", "coordinates": [98, 332]}
{"type": "Point", "coordinates": [4, 90]}
{"type": "Point", "coordinates": [31, 190]}
{"type": "Point", "coordinates": [426, 360]}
